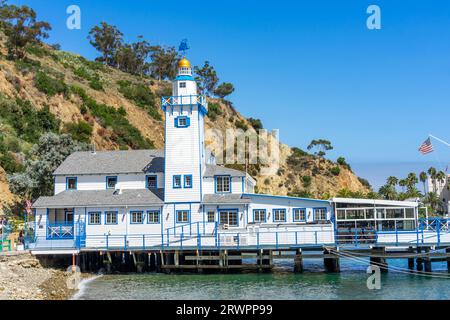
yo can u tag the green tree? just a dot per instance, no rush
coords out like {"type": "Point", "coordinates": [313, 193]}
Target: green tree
{"type": "Point", "coordinates": [132, 58]}
{"type": "Point", "coordinates": [423, 178]}
{"type": "Point", "coordinates": [21, 28]}
{"type": "Point", "coordinates": [255, 123]}
{"type": "Point", "coordinates": [388, 192]}
{"type": "Point", "coordinates": [392, 181]}
{"type": "Point", "coordinates": [432, 200]}
{"type": "Point", "coordinates": [432, 172]}
{"type": "Point", "coordinates": [206, 78]}
{"type": "Point", "coordinates": [224, 89]}
{"type": "Point", "coordinates": [44, 158]}
{"type": "Point", "coordinates": [164, 62]}
{"type": "Point", "coordinates": [321, 146]}
{"type": "Point", "coordinates": [107, 39]}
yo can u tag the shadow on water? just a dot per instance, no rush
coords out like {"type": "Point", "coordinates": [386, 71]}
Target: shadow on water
{"type": "Point", "coordinates": [281, 284]}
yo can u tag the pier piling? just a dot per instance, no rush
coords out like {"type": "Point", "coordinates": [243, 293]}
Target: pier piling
{"type": "Point", "coordinates": [331, 261]}
{"type": "Point", "coordinates": [298, 261]}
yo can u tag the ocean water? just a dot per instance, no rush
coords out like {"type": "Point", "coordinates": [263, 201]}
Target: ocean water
{"type": "Point", "coordinates": [281, 284]}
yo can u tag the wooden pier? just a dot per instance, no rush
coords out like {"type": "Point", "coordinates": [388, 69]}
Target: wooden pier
{"type": "Point", "coordinates": [419, 259]}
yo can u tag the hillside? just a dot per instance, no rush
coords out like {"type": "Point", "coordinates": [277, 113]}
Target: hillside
{"type": "Point", "coordinates": [116, 110]}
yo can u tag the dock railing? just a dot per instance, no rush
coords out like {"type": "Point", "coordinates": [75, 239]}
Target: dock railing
{"type": "Point", "coordinates": [210, 236]}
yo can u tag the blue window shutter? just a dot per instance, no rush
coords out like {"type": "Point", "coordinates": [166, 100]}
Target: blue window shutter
{"type": "Point", "coordinates": [188, 122]}
{"type": "Point", "coordinates": [176, 122]}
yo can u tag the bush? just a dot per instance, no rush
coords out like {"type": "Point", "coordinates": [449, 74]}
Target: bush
{"type": "Point", "coordinates": [140, 95]}
{"type": "Point", "coordinates": [240, 125]}
{"type": "Point", "coordinates": [9, 163]}
{"type": "Point", "coordinates": [306, 181]}
{"type": "Point", "coordinates": [80, 131]}
{"type": "Point", "coordinates": [256, 124]}
{"type": "Point", "coordinates": [295, 158]}
{"type": "Point", "coordinates": [365, 183]}
{"type": "Point", "coordinates": [341, 161]}
{"type": "Point", "coordinates": [335, 171]}
{"type": "Point", "coordinates": [28, 123]}
{"type": "Point", "coordinates": [96, 84]}
{"type": "Point", "coordinates": [214, 111]}
{"type": "Point", "coordinates": [124, 134]}
{"type": "Point", "coordinates": [49, 85]}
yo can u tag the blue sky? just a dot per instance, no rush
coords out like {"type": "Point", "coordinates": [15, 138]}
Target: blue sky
{"type": "Point", "coordinates": [309, 68]}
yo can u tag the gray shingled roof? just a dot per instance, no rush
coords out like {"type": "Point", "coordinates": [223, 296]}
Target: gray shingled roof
{"type": "Point", "coordinates": [213, 170]}
{"type": "Point", "coordinates": [112, 162]}
{"type": "Point", "coordinates": [106, 198]}
{"type": "Point", "coordinates": [229, 198]}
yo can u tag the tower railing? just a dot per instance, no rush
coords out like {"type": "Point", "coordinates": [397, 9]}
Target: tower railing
{"type": "Point", "coordinates": [184, 101]}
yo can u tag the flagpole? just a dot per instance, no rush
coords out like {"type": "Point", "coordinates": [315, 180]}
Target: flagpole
{"type": "Point", "coordinates": [440, 140]}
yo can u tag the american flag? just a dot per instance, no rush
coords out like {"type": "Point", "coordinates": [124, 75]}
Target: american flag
{"type": "Point", "coordinates": [426, 147]}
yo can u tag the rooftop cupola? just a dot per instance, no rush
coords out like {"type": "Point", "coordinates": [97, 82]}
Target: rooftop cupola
{"type": "Point", "coordinates": [184, 67]}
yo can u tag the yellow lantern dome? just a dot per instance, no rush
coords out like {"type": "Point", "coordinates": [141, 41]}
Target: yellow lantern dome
{"type": "Point", "coordinates": [184, 63]}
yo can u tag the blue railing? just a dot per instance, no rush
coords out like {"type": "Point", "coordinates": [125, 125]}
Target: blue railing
{"type": "Point", "coordinates": [60, 231]}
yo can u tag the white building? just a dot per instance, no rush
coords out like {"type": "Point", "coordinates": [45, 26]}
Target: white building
{"type": "Point", "coordinates": [442, 189]}
{"type": "Point", "coordinates": [171, 198]}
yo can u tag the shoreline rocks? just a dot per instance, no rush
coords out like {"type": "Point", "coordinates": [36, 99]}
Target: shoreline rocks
{"type": "Point", "coordinates": [22, 277]}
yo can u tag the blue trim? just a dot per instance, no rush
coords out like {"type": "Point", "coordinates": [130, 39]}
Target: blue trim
{"type": "Point", "coordinates": [177, 122]}
{"type": "Point", "coordinates": [173, 181]}
{"type": "Point", "coordinates": [228, 210]}
{"type": "Point", "coordinates": [185, 186]}
{"type": "Point", "coordinates": [111, 177]}
{"type": "Point", "coordinates": [89, 218]}
{"type": "Point", "coordinates": [283, 197]}
{"type": "Point", "coordinates": [142, 216]}
{"type": "Point", "coordinates": [189, 216]}
{"type": "Point", "coordinates": [184, 78]}
{"type": "Point", "coordinates": [280, 209]}
{"type": "Point", "coordinates": [154, 211]}
{"type": "Point", "coordinates": [243, 185]}
{"type": "Point", "coordinates": [215, 183]}
{"type": "Point", "coordinates": [300, 220]}
{"type": "Point", "coordinates": [67, 183]}
{"type": "Point", "coordinates": [265, 216]}
{"type": "Point", "coordinates": [146, 181]}
{"type": "Point", "coordinates": [113, 212]}
{"type": "Point", "coordinates": [200, 150]}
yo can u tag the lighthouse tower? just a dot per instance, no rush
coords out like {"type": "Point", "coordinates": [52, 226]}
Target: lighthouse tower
{"type": "Point", "coordinates": [184, 141]}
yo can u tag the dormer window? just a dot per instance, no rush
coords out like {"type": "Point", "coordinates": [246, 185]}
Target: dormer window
{"type": "Point", "coordinates": [182, 122]}
{"type": "Point", "coordinates": [111, 182]}
{"type": "Point", "coordinates": [223, 184]}
{"type": "Point", "coordinates": [151, 182]}
{"type": "Point", "coordinates": [71, 183]}
{"type": "Point", "coordinates": [182, 84]}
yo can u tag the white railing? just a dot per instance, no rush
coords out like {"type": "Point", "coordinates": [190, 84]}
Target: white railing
{"type": "Point", "coordinates": [184, 100]}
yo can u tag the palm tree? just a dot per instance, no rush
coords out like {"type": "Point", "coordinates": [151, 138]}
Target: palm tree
{"type": "Point", "coordinates": [423, 178]}
{"type": "Point", "coordinates": [403, 183]}
{"type": "Point", "coordinates": [411, 180]}
{"type": "Point", "coordinates": [441, 177]}
{"type": "Point", "coordinates": [388, 192]}
{"type": "Point", "coordinates": [432, 172]}
{"type": "Point", "coordinates": [432, 200]}
{"type": "Point", "coordinates": [392, 181]}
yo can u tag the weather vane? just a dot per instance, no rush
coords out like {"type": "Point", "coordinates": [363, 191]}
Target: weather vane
{"type": "Point", "coordinates": [184, 46]}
